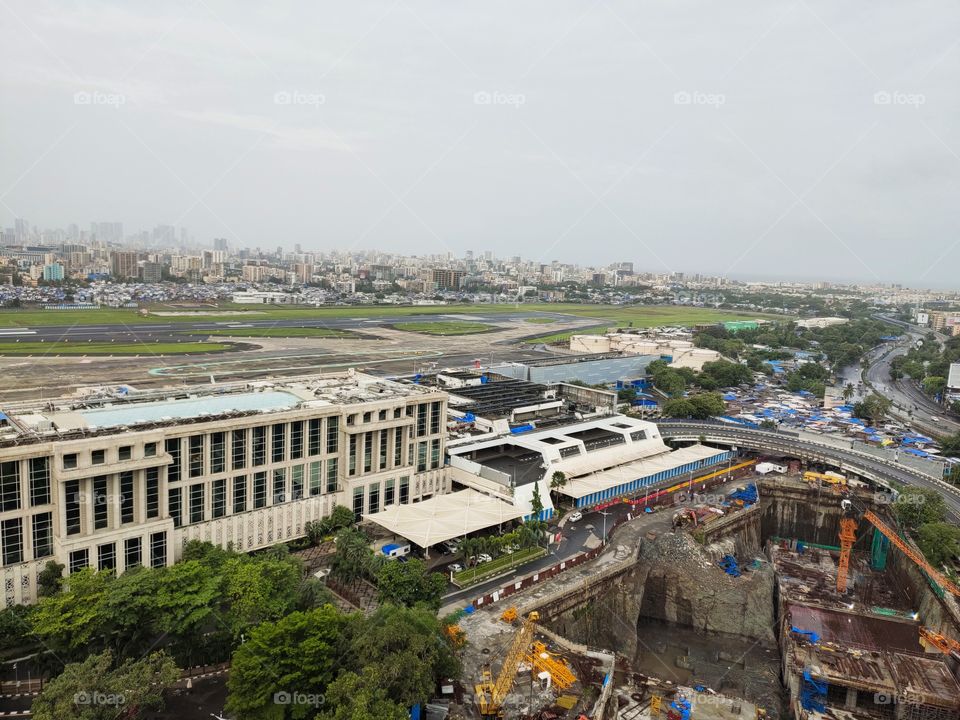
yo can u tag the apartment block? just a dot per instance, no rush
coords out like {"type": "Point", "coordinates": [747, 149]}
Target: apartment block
{"type": "Point", "coordinates": [121, 478]}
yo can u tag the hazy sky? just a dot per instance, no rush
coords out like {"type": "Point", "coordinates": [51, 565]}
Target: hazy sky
{"type": "Point", "coordinates": [810, 139]}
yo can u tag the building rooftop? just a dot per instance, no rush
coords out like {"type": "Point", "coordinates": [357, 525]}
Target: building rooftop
{"type": "Point", "coordinates": [105, 410]}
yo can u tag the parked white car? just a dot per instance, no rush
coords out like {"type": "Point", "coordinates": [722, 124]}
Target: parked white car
{"type": "Point", "coordinates": [483, 558]}
{"type": "Point", "coordinates": [576, 517]}
{"type": "Point", "coordinates": [454, 567]}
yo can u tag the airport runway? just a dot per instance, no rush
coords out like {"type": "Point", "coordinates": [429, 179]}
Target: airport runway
{"type": "Point", "coordinates": [183, 328]}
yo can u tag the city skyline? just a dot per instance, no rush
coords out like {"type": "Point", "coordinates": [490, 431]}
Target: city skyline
{"type": "Point", "coordinates": [591, 131]}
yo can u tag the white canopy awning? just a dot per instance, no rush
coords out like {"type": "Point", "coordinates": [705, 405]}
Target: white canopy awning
{"type": "Point", "coordinates": [445, 517]}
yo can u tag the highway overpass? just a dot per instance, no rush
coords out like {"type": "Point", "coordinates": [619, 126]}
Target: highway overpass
{"type": "Point", "coordinates": [878, 469]}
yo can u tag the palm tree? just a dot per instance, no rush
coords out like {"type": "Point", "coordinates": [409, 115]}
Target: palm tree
{"type": "Point", "coordinates": [848, 391]}
{"type": "Point", "coordinates": [557, 481]}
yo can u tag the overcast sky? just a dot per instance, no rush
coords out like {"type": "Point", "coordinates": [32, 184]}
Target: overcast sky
{"type": "Point", "coordinates": [793, 139]}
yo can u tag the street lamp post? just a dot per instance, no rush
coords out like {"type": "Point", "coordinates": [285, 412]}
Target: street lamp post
{"type": "Point", "coordinates": [604, 513]}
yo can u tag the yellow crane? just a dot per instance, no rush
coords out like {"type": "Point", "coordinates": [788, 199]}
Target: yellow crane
{"type": "Point", "coordinates": [830, 478]}
{"type": "Point", "coordinates": [848, 536]}
{"type": "Point", "coordinates": [490, 695]}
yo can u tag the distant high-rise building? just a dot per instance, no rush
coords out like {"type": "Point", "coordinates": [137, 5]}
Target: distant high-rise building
{"type": "Point", "coordinates": [220, 244]}
{"type": "Point", "coordinates": [151, 272]}
{"type": "Point", "coordinates": [107, 232]}
{"type": "Point", "coordinates": [123, 264]}
{"type": "Point", "coordinates": [53, 271]}
{"type": "Point", "coordinates": [303, 272]}
{"type": "Point", "coordinates": [21, 229]}
{"type": "Point", "coordinates": [446, 279]}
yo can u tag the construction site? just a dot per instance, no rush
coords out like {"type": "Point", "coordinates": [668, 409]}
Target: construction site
{"type": "Point", "coordinates": [771, 590]}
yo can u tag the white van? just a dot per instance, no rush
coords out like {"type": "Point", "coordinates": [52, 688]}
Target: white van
{"type": "Point", "coordinates": [394, 551]}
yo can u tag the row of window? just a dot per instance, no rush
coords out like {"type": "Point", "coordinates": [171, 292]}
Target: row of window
{"type": "Point", "coordinates": [11, 538]}
{"type": "Point", "coordinates": [132, 554]}
{"type": "Point", "coordinates": [211, 454]}
{"type": "Point", "coordinates": [251, 492]}
{"type": "Point", "coordinates": [71, 461]}
{"type": "Point", "coordinates": [38, 485]}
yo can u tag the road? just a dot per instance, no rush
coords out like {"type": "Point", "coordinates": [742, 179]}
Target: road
{"type": "Point", "coordinates": [904, 393]}
{"type": "Point", "coordinates": [874, 465]}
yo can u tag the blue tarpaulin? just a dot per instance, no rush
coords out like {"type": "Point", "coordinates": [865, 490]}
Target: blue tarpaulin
{"type": "Point", "coordinates": [521, 429]}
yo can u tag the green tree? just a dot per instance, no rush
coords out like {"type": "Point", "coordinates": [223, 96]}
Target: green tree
{"type": "Point", "coordinates": [950, 446]}
{"type": "Point", "coordinates": [873, 408]}
{"type": "Point", "coordinates": [408, 651]}
{"type": "Point", "coordinates": [259, 589]}
{"type": "Point", "coordinates": [355, 696]}
{"type": "Point", "coordinates": [300, 653]}
{"type": "Point", "coordinates": [848, 392]}
{"type": "Point", "coordinates": [536, 502]}
{"type": "Point", "coordinates": [916, 506]}
{"type": "Point", "coordinates": [557, 481]}
{"type": "Point", "coordinates": [50, 579]}
{"type": "Point", "coordinates": [354, 558]}
{"type": "Point", "coordinates": [934, 385]}
{"type": "Point", "coordinates": [409, 583]}
{"type": "Point", "coordinates": [15, 627]}
{"type": "Point", "coordinates": [93, 690]}
{"type": "Point", "coordinates": [677, 408]}
{"type": "Point", "coordinates": [939, 542]}
{"type": "Point", "coordinates": [726, 374]}
{"type": "Point", "coordinates": [72, 620]}
{"type": "Point", "coordinates": [706, 405]}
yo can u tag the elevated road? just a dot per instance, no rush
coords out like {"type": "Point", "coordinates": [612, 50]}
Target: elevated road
{"type": "Point", "coordinates": [881, 468]}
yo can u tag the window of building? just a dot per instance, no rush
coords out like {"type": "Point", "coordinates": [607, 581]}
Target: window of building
{"type": "Point", "coordinates": [351, 420]}
{"type": "Point", "coordinates": [367, 452]}
{"type": "Point", "coordinates": [404, 490]}
{"type": "Point", "coordinates": [126, 497]}
{"type": "Point", "coordinates": [131, 553]}
{"type": "Point", "coordinates": [397, 413]}
{"type": "Point", "coordinates": [219, 498]}
{"type": "Point", "coordinates": [314, 436]}
{"type": "Point", "coordinates": [174, 498]}
{"type": "Point", "coordinates": [352, 461]}
{"type": "Point", "coordinates": [333, 434]}
{"type": "Point", "coordinates": [240, 494]}
{"type": "Point", "coordinates": [389, 490]}
{"type": "Point", "coordinates": [422, 419]}
{"type": "Point", "coordinates": [239, 450]}
{"type": "Point", "coordinates": [150, 449]}
{"type": "Point", "coordinates": [11, 541]}
{"type": "Point", "coordinates": [410, 410]}
{"type": "Point", "coordinates": [10, 485]}
{"type": "Point", "coordinates": [39, 481]}
{"type": "Point", "coordinates": [172, 446]}
{"type": "Point", "coordinates": [259, 490]}
{"type": "Point", "coordinates": [153, 492]}
{"type": "Point", "coordinates": [196, 503]}
{"type": "Point", "coordinates": [382, 457]}
{"type": "Point", "coordinates": [357, 503]}
{"type": "Point", "coordinates": [42, 535]}
{"type": "Point", "coordinates": [296, 440]}
{"type": "Point", "coordinates": [435, 417]}
{"type": "Point", "coordinates": [397, 446]}
{"type": "Point", "coordinates": [79, 559]}
{"type": "Point", "coordinates": [434, 454]}
{"type": "Point", "coordinates": [277, 452]}
{"type": "Point", "coordinates": [382, 415]}
{"type": "Point", "coordinates": [421, 456]}
{"type": "Point", "coordinates": [367, 417]}
{"type": "Point", "coordinates": [332, 464]}
{"type": "Point", "coordinates": [316, 478]}
{"type": "Point", "coordinates": [279, 486]}
{"type": "Point", "coordinates": [196, 455]}
{"type": "Point", "coordinates": [259, 445]}
{"type": "Point", "coordinates": [373, 498]}
{"type": "Point", "coordinates": [100, 503]}
{"type": "Point", "coordinates": [98, 457]}
{"type": "Point", "coordinates": [70, 461]}
{"type": "Point", "coordinates": [296, 482]}
{"type": "Point", "coordinates": [125, 452]}
{"type": "Point", "coordinates": [218, 455]}
{"type": "Point", "coordinates": [158, 550]}
{"type": "Point", "coordinates": [71, 508]}
{"type": "Point", "coordinates": [107, 557]}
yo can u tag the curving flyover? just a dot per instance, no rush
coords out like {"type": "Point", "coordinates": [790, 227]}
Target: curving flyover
{"type": "Point", "coordinates": [878, 469]}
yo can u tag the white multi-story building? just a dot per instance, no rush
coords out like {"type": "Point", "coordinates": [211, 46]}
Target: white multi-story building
{"type": "Point", "coordinates": [125, 478]}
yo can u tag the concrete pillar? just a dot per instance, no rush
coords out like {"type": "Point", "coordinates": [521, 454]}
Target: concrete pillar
{"type": "Point", "coordinates": [851, 701]}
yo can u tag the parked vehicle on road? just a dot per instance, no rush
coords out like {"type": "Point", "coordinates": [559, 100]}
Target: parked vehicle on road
{"type": "Point", "coordinates": [576, 517]}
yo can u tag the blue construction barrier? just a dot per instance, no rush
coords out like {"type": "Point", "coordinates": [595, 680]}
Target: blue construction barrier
{"type": "Point", "coordinates": [809, 634]}
{"type": "Point", "coordinates": [747, 494]}
{"type": "Point", "coordinates": [813, 693]}
{"type": "Point", "coordinates": [729, 565]}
